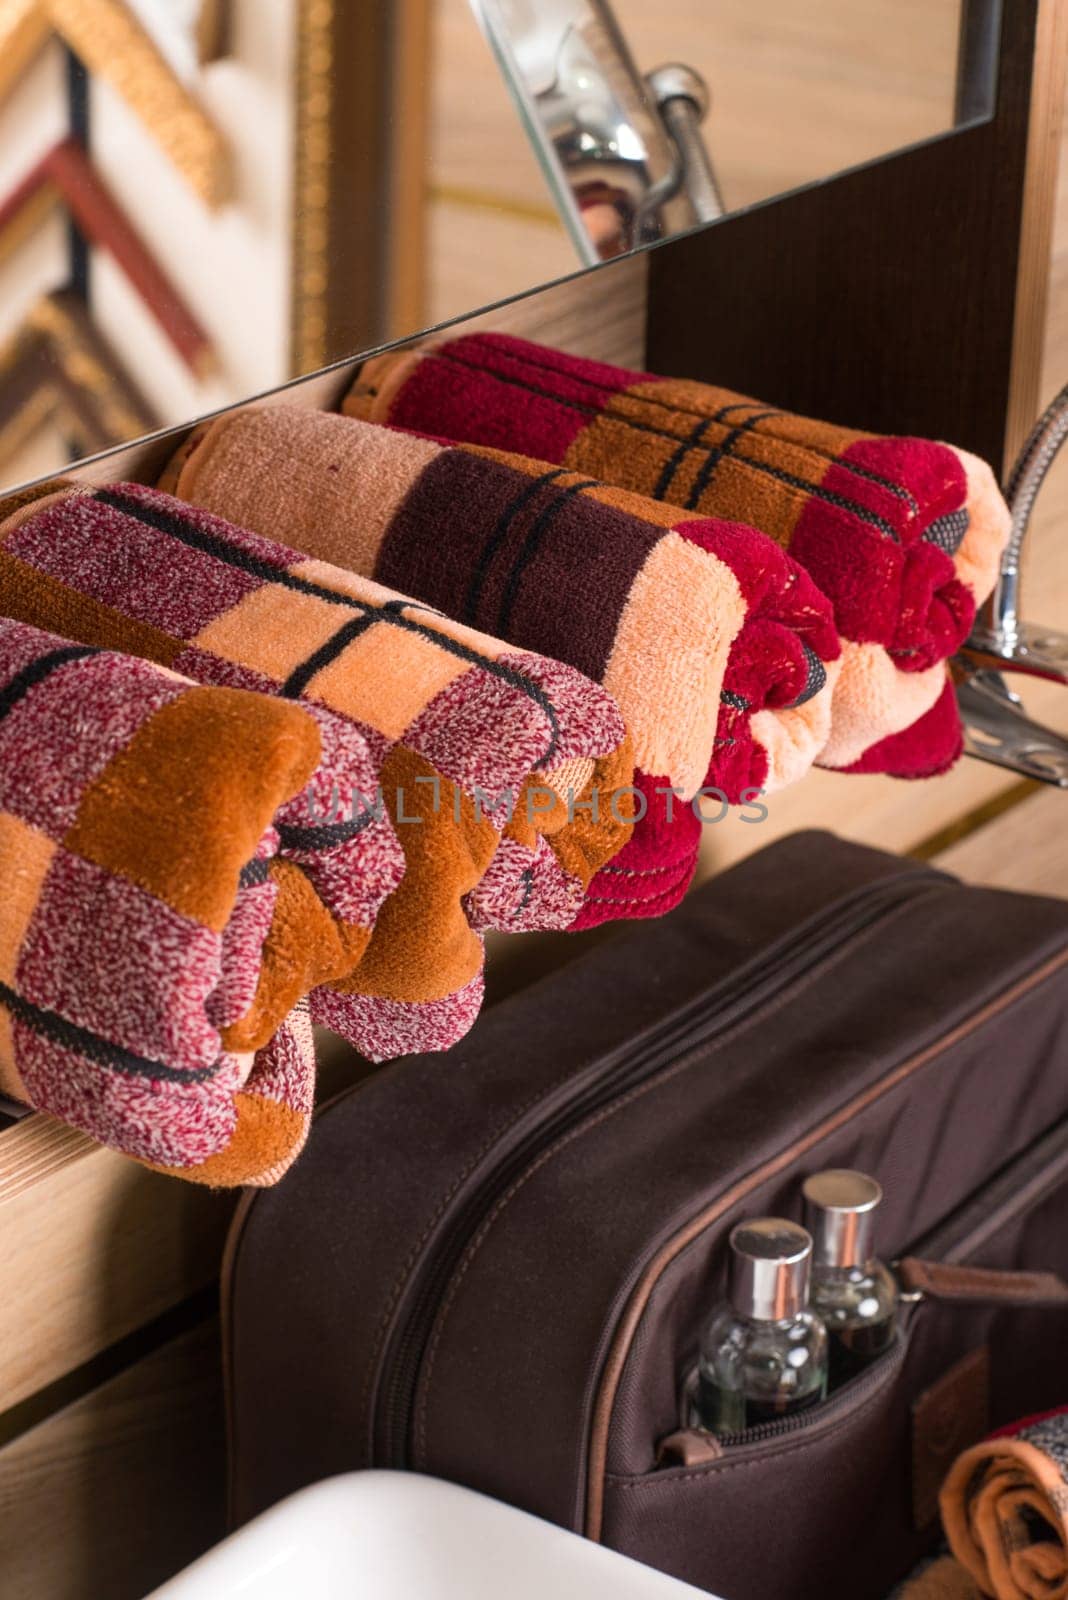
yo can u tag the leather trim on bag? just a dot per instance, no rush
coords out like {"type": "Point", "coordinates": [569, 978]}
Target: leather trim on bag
{"type": "Point", "coordinates": [940, 1280]}
{"type": "Point", "coordinates": [635, 1309]}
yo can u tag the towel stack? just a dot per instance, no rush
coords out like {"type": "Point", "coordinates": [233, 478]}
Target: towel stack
{"type": "Point", "coordinates": [718, 647]}
{"type": "Point", "coordinates": [279, 746]}
{"type": "Point", "coordinates": [476, 745]}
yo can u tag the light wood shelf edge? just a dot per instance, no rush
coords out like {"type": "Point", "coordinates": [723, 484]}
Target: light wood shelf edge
{"type": "Point", "coordinates": [35, 1147]}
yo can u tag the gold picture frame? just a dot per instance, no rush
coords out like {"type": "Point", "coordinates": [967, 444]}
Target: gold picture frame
{"type": "Point", "coordinates": [362, 91]}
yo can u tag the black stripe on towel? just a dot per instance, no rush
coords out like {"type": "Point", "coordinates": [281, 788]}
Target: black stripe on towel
{"type": "Point", "coordinates": [948, 532]}
{"type": "Point", "coordinates": [720, 451]}
{"type": "Point", "coordinates": [59, 1030]}
{"type": "Point", "coordinates": [677, 457]}
{"type": "Point", "coordinates": [496, 539]}
{"type": "Point", "coordinates": [324, 835]}
{"type": "Point", "coordinates": [176, 527]}
{"type": "Point", "coordinates": [336, 645]}
{"type": "Point", "coordinates": [815, 677]}
{"type": "Point", "coordinates": [529, 549]}
{"type": "Point", "coordinates": [253, 872]}
{"type": "Point", "coordinates": [20, 685]}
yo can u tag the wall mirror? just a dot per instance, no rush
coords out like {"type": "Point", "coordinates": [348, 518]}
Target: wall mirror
{"type": "Point", "coordinates": [201, 199]}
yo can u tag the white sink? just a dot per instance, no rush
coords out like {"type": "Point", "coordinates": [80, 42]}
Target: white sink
{"type": "Point", "coordinates": [398, 1536]}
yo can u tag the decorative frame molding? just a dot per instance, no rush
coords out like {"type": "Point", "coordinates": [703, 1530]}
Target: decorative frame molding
{"type": "Point", "coordinates": [313, 145]}
{"type": "Point", "coordinates": [56, 368]}
{"type": "Point", "coordinates": [65, 176]}
{"type": "Point", "coordinates": [113, 45]}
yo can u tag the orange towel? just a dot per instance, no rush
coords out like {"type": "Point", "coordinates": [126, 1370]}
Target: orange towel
{"type": "Point", "coordinates": [1005, 1510]}
{"type": "Point", "coordinates": [941, 1579]}
{"type": "Point", "coordinates": [150, 930]}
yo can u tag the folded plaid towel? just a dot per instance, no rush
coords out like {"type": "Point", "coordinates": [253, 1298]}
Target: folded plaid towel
{"type": "Point", "coordinates": [714, 642]}
{"type": "Point", "coordinates": [148, 930]}
{"type": "Point", "coordinates": [455, 721]}
{"type": "Point", "coordinates": [1005, 1510]}
{"type": "Point", "coordinates": [903, 535]}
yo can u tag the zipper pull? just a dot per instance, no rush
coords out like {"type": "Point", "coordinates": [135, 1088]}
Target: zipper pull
{"type": "Point", "coordinates": [962, 1285]}
{"type": "Point", "coordinates": [688, 1447]}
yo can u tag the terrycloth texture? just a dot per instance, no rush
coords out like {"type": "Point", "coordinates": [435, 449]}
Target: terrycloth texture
{"type": "Point", "coordinates": [713, 641]}
{"type": "Point", "coordinates": [924, 748]}
{"type": "Point", "coordinates": [454, 721]}
{"type": "Point", "coordinates": [146, 912]}
{"type": "Point", "coordinates": [903, 535]}
{"type": "Point", "coordinates": [940, 1579]}
{"type": "Point", "coordinates": [1005, 1510]}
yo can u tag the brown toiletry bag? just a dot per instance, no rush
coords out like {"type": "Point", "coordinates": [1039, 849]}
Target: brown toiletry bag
{"type": "Point", "coordinates": [492, 1266]}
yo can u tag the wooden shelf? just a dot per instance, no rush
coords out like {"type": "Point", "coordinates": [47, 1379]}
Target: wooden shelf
{"type": "Point", "coordinates": [92, 1246]}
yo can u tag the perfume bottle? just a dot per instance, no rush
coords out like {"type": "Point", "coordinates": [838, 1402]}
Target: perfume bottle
{"type": "Point", "coordinates": [854, 1293]}
{"type": "Point", "coordinates": [764, 1352]}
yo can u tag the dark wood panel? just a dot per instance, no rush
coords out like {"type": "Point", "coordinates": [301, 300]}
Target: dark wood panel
{"type": "Point", "coordinates": [884, 297]}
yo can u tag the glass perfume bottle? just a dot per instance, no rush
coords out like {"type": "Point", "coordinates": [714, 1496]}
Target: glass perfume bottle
{"type": "Point", "coordinates": [764, 1352]}
{"type": "Point", "coordinates": [854, 1293]}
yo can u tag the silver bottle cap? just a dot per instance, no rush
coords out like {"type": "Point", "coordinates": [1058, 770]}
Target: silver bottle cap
{"type": "Point", "coordinates": [840, 1210]}
{"type": "Point", "coordinates": [770, 1260]}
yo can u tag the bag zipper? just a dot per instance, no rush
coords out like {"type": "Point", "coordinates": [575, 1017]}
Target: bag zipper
{"type": "Point", "coordinates": [827, 1410]}
{"type": "Point", "coordinates": [1017, 1187]}
{"type": "Point", "coordinates": [785, 962]}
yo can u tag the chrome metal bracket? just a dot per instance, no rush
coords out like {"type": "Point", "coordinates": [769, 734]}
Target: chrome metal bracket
{"type": "Point", "coordinates": [624, 155]}
{"type": "Point", "coordinates": [682, 98]}
{"type": "Point", "coordinates": [1032, 649]}
{"type": "Point", "coordinates": [997, 728]}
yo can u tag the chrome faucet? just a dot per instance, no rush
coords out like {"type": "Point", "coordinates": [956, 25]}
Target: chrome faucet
{"type": "Point", "coordinates": [996, 726]}
{"type": "Point", "coordinates": [1011, 642]}
{"type": "Point", "coordinates": [623, 154]}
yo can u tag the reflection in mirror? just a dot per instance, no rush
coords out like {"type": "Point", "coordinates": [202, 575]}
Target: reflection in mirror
{"type": "Point", "coordinates": [623, 154]}
{"type": "Point", "coordinates": [613, 95]}
{"type": "Point", "coordinates": [200, 199]}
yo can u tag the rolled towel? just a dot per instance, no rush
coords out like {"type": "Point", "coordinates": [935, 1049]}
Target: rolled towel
{"type": "Point", "coordinates": [903, 535]}
{"type": "Point", "coordinates": [461, 727]}
{"type": "Point", "coordinates": [718, 647]}
{"type": "Point", "coordinates": [939, 1579]}
{"type": "Point", "coordinates": [1005, 1510]}
{"type": "Point", "coordinates": [148, 930]}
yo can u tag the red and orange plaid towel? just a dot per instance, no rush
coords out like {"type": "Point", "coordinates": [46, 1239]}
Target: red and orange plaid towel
{"type": "Point", "coordinates": [718, 647]}
{"type": "Point", "coordinates": [903, 535]}
{"type": "Point", "coordinates": [489, 758]}
{"type": "Point", "coordinates": [153, 934]}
